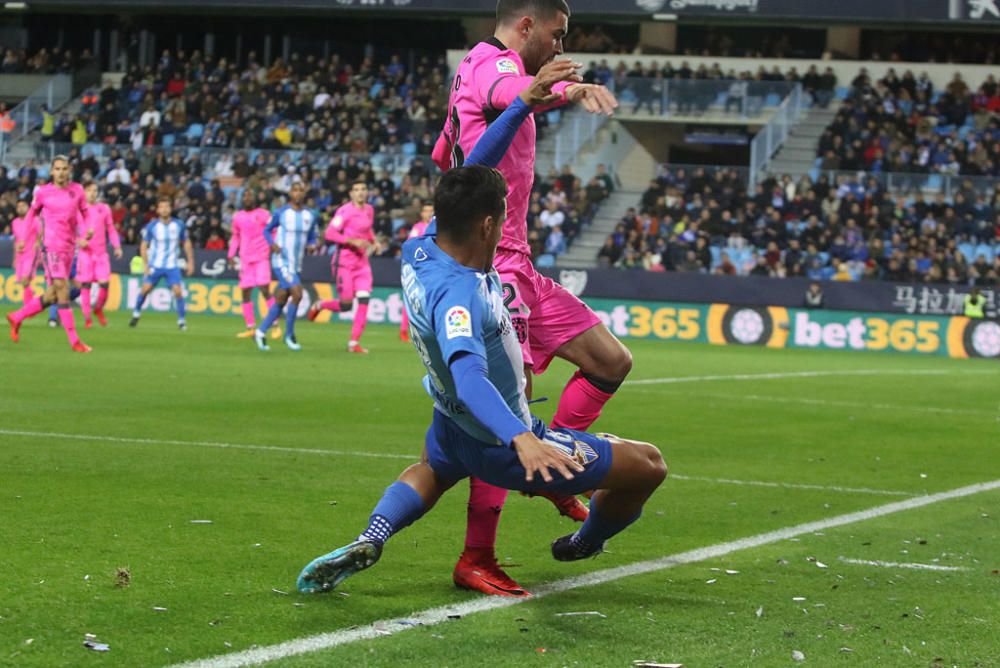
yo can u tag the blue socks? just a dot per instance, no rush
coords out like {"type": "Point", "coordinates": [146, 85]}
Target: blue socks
{"type": "Point", "coordinates": [589, 539]}
{"type": "Point", "coordinates": [290, 314]}
{"type": "Point", "coordinates": [398, 508]}
{"type": "Point", "coordinates": [181, 309]}
{"type": "Point", "coordinates": [140, 300]}
{"type": "Point", "coordinates": [271, 317]}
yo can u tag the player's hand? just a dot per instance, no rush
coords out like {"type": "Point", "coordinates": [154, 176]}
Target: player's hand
{"type": "Point", "coordinates": [538, 457]}
{"type": "Point", "coordinates": [82, 243]}
{"type": "Point", "coordinates": [19, 247]}
{"type": "Point", "coordinates": [595, 99]}
{"type": "Point", "coordinates": [275, 248]}
{"type": "Point", "coordinates": [118, 253]}
{"type": "Point", "coordinates": [189, 270]}
{"type": "Point", "coordinates": [539, 93]}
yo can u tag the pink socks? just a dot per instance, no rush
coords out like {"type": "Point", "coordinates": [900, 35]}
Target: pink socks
{"type": "Point", "coordinates": [85, 302]}
{"type": "Point", "coordinates": [580, 404]}
{"type": "Point", "coordinates": [68, 323]}
{"type": "Point", "coordinates": [330, 305]}
{"type": "Point", "coordinates": [360, 320]}
{"type": "Point", "coordinates": [485, 504]}
{"type": "Point", "coordinates": [30, 308]}
{"type": "Point", "coordinates": [248, 314]}
{"type": "Point", "coordinates": [102, 298]}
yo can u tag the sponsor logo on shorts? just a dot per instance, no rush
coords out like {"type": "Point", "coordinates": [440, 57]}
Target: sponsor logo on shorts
{"type": "Point", "coordinates": [458, 322]}
{"type": "Point", "coordinates": [507, 66]}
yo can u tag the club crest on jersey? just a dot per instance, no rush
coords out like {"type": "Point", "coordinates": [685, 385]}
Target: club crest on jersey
{"type": "Point", "coordinates": [507, 66]}
{"type": "Point", "coordinates": [458, 322]}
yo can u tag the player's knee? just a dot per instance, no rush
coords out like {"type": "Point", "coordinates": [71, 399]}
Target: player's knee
{"type": "Point", "coordinates": [651, 469]}
{"type": "Point", "coordinates": [620, 363]}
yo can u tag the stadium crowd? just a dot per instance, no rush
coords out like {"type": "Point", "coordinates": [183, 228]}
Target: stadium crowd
{"type": "Point", "coordinates": [704, 220]}
{"type": "Point", "coordinates": [305, 103]}
{"type": "Point", "coordinates": [206, 196]}
{"type": "Point", "coordinates": [902, 124]}
{"type": "Point", "coordinates": [53, 60]}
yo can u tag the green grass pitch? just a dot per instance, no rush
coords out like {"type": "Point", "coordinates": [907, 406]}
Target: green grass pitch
{"type": "Point", "coordinates": [105, 460]}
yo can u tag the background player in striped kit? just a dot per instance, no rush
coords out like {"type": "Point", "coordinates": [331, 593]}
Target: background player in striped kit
{"type": "Point", "coordinates": [60, 204]}
{"type": "Point", "coordinates": [351, 230]}
{"type": "Point", "coordinates": [93, 264]}
{"type": "Point", "coordinates": [161, 243]}
{"type": "Point", "coordinates": [26, 250]}
{"type": "Point", "coordinates": [292, 230]}
{"type": "Point", "coordinates": [249, 244]}
{"type": "Point", "coordinates": [418, 229]}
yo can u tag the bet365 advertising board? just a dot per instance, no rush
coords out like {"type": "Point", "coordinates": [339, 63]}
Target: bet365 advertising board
{"type": "Point", "coordinates": [718, 324]}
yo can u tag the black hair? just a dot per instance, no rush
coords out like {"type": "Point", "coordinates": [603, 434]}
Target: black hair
{"type": "Point", "coordinates": [511, 10]}
{"type": "Point", "coordinates": [465, 196]}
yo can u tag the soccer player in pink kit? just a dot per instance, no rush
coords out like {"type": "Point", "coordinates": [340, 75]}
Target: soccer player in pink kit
{"type": "Point", "coordinates": [26, 251]}
{"type": "Point", "coordinates": [93, 264]}
{"type": "Point", "coordinates": [351, 230]}
{"type": "Point", "coordinates": [550, 322]}
{"type": "Point", "coordinates": [418, 229]}
{"type": "Point", "coordinates": [249, 243]}
{"type": "Point", "coordinates": [61, 205]}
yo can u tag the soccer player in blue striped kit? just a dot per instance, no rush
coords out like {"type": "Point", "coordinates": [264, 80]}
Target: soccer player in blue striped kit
{"type": "Point", "coordinates": [162, 240]}
{"type": "Point", "coordinates": [290, 233]}
{"type": "Point", "coordinates": [475, 374]}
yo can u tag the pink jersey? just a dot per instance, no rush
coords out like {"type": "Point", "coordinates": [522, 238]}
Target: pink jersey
{"type": "Point", "coordinates": [61, 210]}
{"type": "Point", "coordinates": [418, 230]}
{"type": "Point", "coordinates": [25, 232]}
{"type": "Point", "coordinates": [98, 219]}
{"type": "Point", "coordinates": [350, 222]}
{"type": "Point", "coordinates": [486, 82]}
{"type": "Point", "coordinates": [248, 236]}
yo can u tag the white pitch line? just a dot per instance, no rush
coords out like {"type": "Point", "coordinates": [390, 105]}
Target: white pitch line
{"type": "Point", "coordinates": [202, 444]}
{"type": "Point", "coordinates": [791, 485]}
{"type": "Point", "coordinates": [382, 455]}
{"type": "Point", "coordinates": [441, 614]}
{"type": "Point", "coordinates": [848, 404]}
{"type": "Point", "coordinates": [893, 564]}
{"type": "Point", "coordinates": [790, 374]}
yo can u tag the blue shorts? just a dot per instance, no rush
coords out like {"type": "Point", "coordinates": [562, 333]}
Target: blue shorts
{"type": "Point", "coordinates": [287, 278]}
{"type": "Point", "coordinates": [173, 277]}
{"type": "Point", "coordinates": [454, 455]}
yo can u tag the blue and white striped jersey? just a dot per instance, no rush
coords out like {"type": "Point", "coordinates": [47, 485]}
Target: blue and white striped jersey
{"type": "Point", "coordinates": [293, 231]}
{"type": "Point", "coordinates": [456, 309]}
{"type": "Point", "coordinates": [164, 242]}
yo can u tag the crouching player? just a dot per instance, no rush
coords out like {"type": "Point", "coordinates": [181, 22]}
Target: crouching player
{"type": "Point", "coordinates": [475, 373]}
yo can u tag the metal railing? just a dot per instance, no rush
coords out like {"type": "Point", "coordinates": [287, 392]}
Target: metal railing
{"type": "Point", "coordinates": [211, 157]}
{"type": "Point", "coordinates": [737, 98]}
{"type": "Point", "coordinates": [27, 115]}
{"type": "Point", "coordinates": [906, 183]}
{"type": "Point", "coordinates": [576, 130]}
{"type": "Point", "coordinates": [774, 135]}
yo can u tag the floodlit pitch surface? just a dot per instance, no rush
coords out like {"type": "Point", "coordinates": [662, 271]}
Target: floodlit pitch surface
{"type": "Point", "coordinates": [106, 461]}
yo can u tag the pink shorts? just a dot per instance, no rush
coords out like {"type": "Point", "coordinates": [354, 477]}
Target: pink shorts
{"type": "Point", "coordinates": [255, 274]}
{"type": "Point", "coordinates": [545, 315]}
{"type": "Point", "coordinates": [352, 276]}
{"type": "Point", "coordinates": [58, 264]}
{"type": "Point", "coordinates": [25, 265]}
{"type": "Point", "coordinates": [93, 268]}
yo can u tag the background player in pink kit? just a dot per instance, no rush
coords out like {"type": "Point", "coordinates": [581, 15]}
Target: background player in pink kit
{"type": "Point", "coordinates": [93, 265]}
{"type": "Point", "coordinates": [351, 229]}
{"type": "Point", "coordinates": [61, 205]}
{"type": "Point", "coordinates": [249, 244]}
{"type": "Point", "coordinates": [26, 250]}
{"type": "Point", "coordinates": [418, 229]}
{"type": "Point", "coordinates": [550, 321]}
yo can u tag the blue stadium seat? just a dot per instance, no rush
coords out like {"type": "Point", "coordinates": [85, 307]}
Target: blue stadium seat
{"type": "Point", "coordinates": [169, 139]}
{"type": "Point", "coordinates": [195, 132]}
{"type": "Point", "coordinates": [409, 149]}
{"type": "Point", "coordinates": [545, 260]}
{"type": "Point", "coordinates": [968, 251]}
{"type": "Point", "coordinates": [842, 92]}
{"type": "Point", "coordinates": [935, 181]}
{"type": "Point", "coordinates": [985, 250]}
{"type": "Point", "coordinates": [716, 256]}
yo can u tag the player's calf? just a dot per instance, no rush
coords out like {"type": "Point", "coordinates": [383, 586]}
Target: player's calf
{"type": "Point", "coordinates": [637, 470]}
